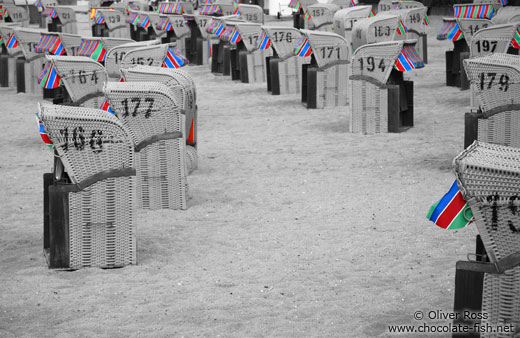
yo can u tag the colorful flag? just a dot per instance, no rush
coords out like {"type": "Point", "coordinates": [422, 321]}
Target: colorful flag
{"type": "Point", "coordinates": [516, 39]}
{"type": "Point", "coordinates": [174, 59]}
{"type": "Point", "coordinates": [307, 16]}
{"type": "Point", "coordinates": [38, 4]}
{"type": "Point", "coordinates": [455, 34]}
{"type": "Point", "coordinates": [372, 14]}
{"type": "Point", "coordinates": [164, 25]}
{"type": "Point", "coordinates": [145, 23]}
{"type": "Point", "coordinates": [12, 42]}
{"type": "Point", "coordinates": [503, 2]}
{"type": "Point", "coordinates": [170, 8]}
{"type": "Point", "coordinates": [236, 12]}
{"type": "Point", "coordinates": [353, 3]}
{"type": "Point", "coordinates": [452, 211]}
{"type": "Point", "coordinates": [408, 60]}
{"type": "Point", "coordinates": [426, 21]}
{"type": "Point", "coordinates": [43, 133]}
{"type": "Point", "coordinates": [303, 48]}
{"type": "Point", "coordinates": [401, 28]}
{"type": "Point", "coordinates": [295, 4]}
{"type": "Point", "coordinates": [263, 41]}
{"type": "Point", "coordinates": [210, 10]}
{"type": "Point", "coordinates": [49, 79]}
{"type": "Point", "coordinates": [106, 107]}
{"type": "Point", "coordinates": [99, 19]}
{"type": "Point", "coordinates": [235, 36]}
{"type": "Point", "coordinates": [474, 11]}
{"type": "Point", "coordinates": [50, 44]}
{"type": "Point", "coordinates": [93, 49]}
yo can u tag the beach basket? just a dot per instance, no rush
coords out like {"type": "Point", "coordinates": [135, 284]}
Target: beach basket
{"type": "Point", "coordinates": [115, 56]}
{"type": "Point", "coordinates": [345, 18]}
{"type": "Point", "coordinates": [61, 19]}
{"type": "Point", "coordinates": [380, 28]}
{"type": "Point", "coordinates": [110, 23]}
{"type": "Point", "coordinates": [381, 100]}
{"type": "Point", "coordinates": [413, 20]}
{"type": "Point", "coordinates": [198, 44]}
{"type": "Point", "coordinates": [30, 65]}
{"type": "Point", "coordinates": [251, 13]}
{"type": "Point", "coordinates": [71, 42]}
{"type": "Point", "coordinates": [184, 92]}
{"type": "Point", "coordinates": [91, 208]}
{"type": "Point", "coordinates": [156, 125]}
{"type": "Point", "coordinates": [321, 16]}
{"type": "Point", "coordinates": [14, 51]}
{"type": "Point", "coordinates": [324, 83]}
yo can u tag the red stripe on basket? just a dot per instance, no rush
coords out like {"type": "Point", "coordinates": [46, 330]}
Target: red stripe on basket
{"type": "Point", "coordinates": [451, 211]}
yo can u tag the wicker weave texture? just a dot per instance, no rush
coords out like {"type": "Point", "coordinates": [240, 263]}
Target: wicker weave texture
{"type": "Point", "coordinates": [83, 78]}
{"type": "Point", "coordinates": [332, 87]}
{"type": "Point", "coordinates": [149, 56]}
{"type": "Point", "coordinates": [501, 302]}
{"type": "Point", "coordinates": [148, 109]}
{"type": "Point", "coordinates": [495, 79]}
{"type": "Point", "coordinates": [369, 108]}
{"type": "Point", "coordinates": [494, 39]}
{"type": "Point", "coordinates": [506, 15]}
{"type": "Point", "coordinates": [116, 54]}
{"type": "Point", "coordinates": [502, 128]}
{"type": "Point", "coordinates": [322, 15]}
{"type": "Point", "coordinates": [28, 39]}
{"type": "Point", "coordinates": [328, 48]}
{"type": "Point", "coordinates": [290, 74]}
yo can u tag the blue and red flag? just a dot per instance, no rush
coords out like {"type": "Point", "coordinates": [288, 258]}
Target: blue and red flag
{"type": "Point", "coordinates": [409, 59]}
{"type": "Point", "coordinates": [43, 133]}
{"type": "Point", "coordinates": [12, 42]}
{"type": "Point", "coordinates": [49, 79]}
{"type": "Point", "coordinates": [263, 41]}
{"type": "Point", "coordinates": [303, 48]}
{"type": "Point", "coordinates": [174, 59]}
{"type": "Point", "coordinates": [106, 107]}
{"type": "Point", "coordinates": [452, 211]}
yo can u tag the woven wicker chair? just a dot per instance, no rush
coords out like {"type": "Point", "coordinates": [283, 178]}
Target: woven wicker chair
{"type": "Point", "coordinates": [154, 55]}
{"type": "Point", "coordinates": [413, 19]}
{"type": "Point", "coordinates": [493, 39]}
{"type": "Point", "coordinates": [380, 28]}
{"type": "Point", "coordinates": [321, 16]}
{"type": "Point", "coordinates": [115, 56]}
{"type": "Point", "coordinates": [487, 177]}
{"type": "Point", "coordinates": [82, 77]}
{"type": "Point", "coordinates": [115, 22]}
{"type": "Point", "coordinates": [326, 84]}
{"type": "Point", "coordinates": [157, 129]}
{"type": "Point", "coordinates": [506, 15]}
{"type": "Point", "coordinates": [251, 13]}
{"type": "Point", "coordinates": [71, 42]}
{"type": "Point", "coordinates": [284, 68]}
{"type": "Point", "coordinates": [6, 31]}
{"type": "Point", "coordinates": [28, 39]}
{"type": "Point", "coordinates": [183, 88]}
{"type": "Point", "coordinates": [470, 27]}
{"type": "Point", "coordinates": [345, 18]}
{"type": "Point", "coordinates": [67, 18]}
{"type": "Point", "coordinates": [92, 209]}
{"type": "Point", "coordinates": [371, 93]}
{"type": "Point", "coordinates": [16, 14]}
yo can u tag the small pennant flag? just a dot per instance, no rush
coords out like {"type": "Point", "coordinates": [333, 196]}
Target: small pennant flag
{"type": "Point", "coordinates": [170, 8]}
{"type": "Point", "coordinates": [49, 79]}
{"type": "Point", "coordinates": [516, 39]}
{"type": "Point", "coordinates": [295, 4]}
{"type": "Point", "coordinates": [191, 137]}
{"type": "Point", "coordinates": [426, 21]}
{"type": "Point", "coordinates": [503, 2]}
{"type": "Point", "coordinates": [145, 23]}
{"type": "Point", "coordinates": [99, 19]}
{"type": "Point", "coordinates": [174, 59]}
{"type": "Point", "coordinates": [236, 12]}
{"type": "Point", "coordinates": [164, 25]}
{"type": "Point", "coordinates": [235, 36]}
{"type": "Point", "coordinates": [210, 10]}
{"type": "Point", "coordinates": [106, 107]}
{"type": "Point", "coordinates": [372, 14]}
{"type": "Point", "coordinates": [43, 133]}
{"type": "Point", "coordinates": [12, 42]}
{"type": "Point", "coordinates": [93, 49]}
{"type": "Point", "coordinates": [303, 47]}
{"type": "Point", "coordinates": [452, 211]}
{"type": "Point", "coordinates": [353, 3]}
{"type": "Point", "coordinates": [455, 34]}
{"type": "Point", "coordinates": [38, 4]}
{"type": "Point", "coordinates": [307, 16]}
{"type": "Point", "coordinates": [408, 60]}
{"type": "Point", "coordinates": [401, 29]}
{"type": "Point", "coordinates": [263, 41]}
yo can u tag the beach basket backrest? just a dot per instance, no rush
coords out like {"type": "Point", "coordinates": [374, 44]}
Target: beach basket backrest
{"type": "Point", "coordinates": [113, 19]}
{"type": "Point", "coordinates": [179, 25]}
{"type": "Point", "coordinates": [88, 141]}
{"type": "Point", "coordinates": [71, 42]}
{"type": "Point", "coordinates": [283, 40]}
{"type": "Point", "coordinates": [410, 4]}
{"type": "Point", "coordinates": [488, 176]}
{"type": "Point", "coordinates": [145, 108]}
{"type": "Point", "coordinates": [471, 26]}
{"type": "Point", "coordinates": [322, 15]}
{"type": "Point", "coordinates": [251, 13]}
{"type": "Point", "coordinates": [203, 22]}
{"type": "Point", "coordinates": [65, 14]}
{"type": "Point", "coordinates": [495, 79]}
{"type": "Point", "coordinates": [501, 128]}
{"type": "Point", "coordinates": [110, 43]}
{"type": "Point", "coordinates": [116, 54]}
{"type": "Point", "coordinates": [506, 15]}
{"type": "Point", "coordinates": [374, 62]}
{"type": "Point", "coordinates": [413, 19]}
{"type": "Point", "coordinates": [17, 13]}
{"type": "Point", "coordinates": [494, 39]}
{"type": "Point", "coordinates": [227, 9]}
{"type": "Point", "coordinates": [386, 5]}
{"type": "Point", "coordinates": [169, 77]}
{"type": "Point", "coordinates": [380, 28]}
{"type": "Point", "coordinates": [249, 34]}
{"type": "Point", "coordinates": [83, 78]}
{"type": "Point", "coordinates": [149, 55]}
{"type": "Point", "coordinates": [155, 19]}
{"type": "Point", "coordinates": [328, 48]}
{"type": "Point", "coordinates": [345, 18]}
{"type": "Point", "coordinates": [28, 40]}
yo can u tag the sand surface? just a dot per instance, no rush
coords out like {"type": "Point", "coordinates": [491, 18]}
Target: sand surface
{"type": "Point", "coordinates": [295, 227]}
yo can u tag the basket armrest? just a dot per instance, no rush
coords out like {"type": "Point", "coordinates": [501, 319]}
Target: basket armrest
{"type": "Point", "coordinates": [87, 182]}
{"type": "Point", "coordinates": [155, 138]}
{"type": "Point", "coordinates": [499, 267]}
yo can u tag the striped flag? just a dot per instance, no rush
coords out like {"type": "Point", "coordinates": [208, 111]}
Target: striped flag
{"type": "Point", "coordinates": [50, 44]}
{"type": "Point", "coordinates": [99, 19]}
{"type": "Point", "coordinates": [401, 28]}
{"type": "Point", "coordinates": [236, 12]}
{"type": "Point", "coordinates": [49, 79]}
{"type": "Point", "coordinates": [145, 23]}
{"type": "Point", "coordinates": [38, 4]}
{"type": "Point", "coordinates": [503, 2]}
{"type": "Point", "coordinates": [263, 41]}
{"type": "Point", "coordinates": [235, 36]}
{"type": "Point", "coordinates": [93, 49]}
{"type": "Point", "coordinates": [210, 10]}
{"type": "Point", "coordinates": [452, 211]}
{"type": "Point", "coordinates": [106, 107]}
{"type": "Point", "coordinates": [12, 42]}
{"type": "Point", "coordinates": [307, 16]}
{"type": "Point", "coordinates": [353, 3]}
{"type": "Point", "coordinates": [516, 39]}
{"type": "Point", "coordinates": [295, 4]}
{"type": "Point", "coordinates": [372, 14]}
{"type": "Point", "coordinates": [164, 25]}
{"type": "Point", "coordinates": [170, 8]}
{"type": "Point", "coordinates": [426, 21]}
{"type": "Point", "coordinates": [43, 133]}
{"type": "Point", "coordinates": [455, 34]}
{"type": "Point", "coordinates": [408, 60]}
{"type": "Point", "coordinates": [474, 11]}
{"type": "Point", "coordinates": [303, 48]}
{"type": "Point", "coordinates": [174, 59]}
{"type": "Point", "coordinates": [50, 12]}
